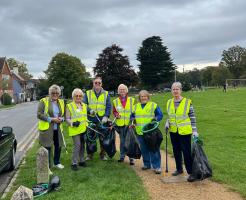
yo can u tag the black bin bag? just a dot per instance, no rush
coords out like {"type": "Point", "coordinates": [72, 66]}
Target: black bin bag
{"type": "Point", "coordinates": [131, 146]}
{"type": "Point", "coordinates": [201, 168]}
{"type": "Point", "coordinates": [107, 139]}
{"type": "Point", "coordinates": [91, 143]}
{"type": "Point", "coordinates": [152, 136]}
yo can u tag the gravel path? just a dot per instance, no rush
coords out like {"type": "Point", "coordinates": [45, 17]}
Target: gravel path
{"type": "Point", "coordinates": [166, 187]}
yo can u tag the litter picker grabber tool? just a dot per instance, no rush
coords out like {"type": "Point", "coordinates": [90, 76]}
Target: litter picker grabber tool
{"type": "Point", "coordinates": [64, 143]}
{"type": "Point", "coordinates": [166, 152]}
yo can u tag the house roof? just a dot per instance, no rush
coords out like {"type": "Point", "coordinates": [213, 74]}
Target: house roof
{"type": "Point", "coordinates": [2, 59]}
{"type": "Point", "coordinates": [17, 76]}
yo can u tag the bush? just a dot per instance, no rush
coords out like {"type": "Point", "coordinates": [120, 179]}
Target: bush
{"type": "Point", "coordinates": [6, 99]}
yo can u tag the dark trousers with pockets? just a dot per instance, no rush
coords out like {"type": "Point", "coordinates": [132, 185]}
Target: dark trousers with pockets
{"type": "Point", "coordinates": [182, 146]}
{"type": "Point", "coordinates": [57, 150]}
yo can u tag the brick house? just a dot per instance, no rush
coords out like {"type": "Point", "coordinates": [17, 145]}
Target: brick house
{"type": "Point", "coordinates": [6, 78]}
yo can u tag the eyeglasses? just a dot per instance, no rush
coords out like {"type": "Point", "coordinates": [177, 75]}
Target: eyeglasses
{"type": "Point", "coordinates": [98, 83]}
{"type": "Point", "coordinates": [54, 93]}
{"type": "Point", "coordinates": [78, 95]}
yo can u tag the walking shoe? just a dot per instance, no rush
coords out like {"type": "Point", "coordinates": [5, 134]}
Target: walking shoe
{"type": "Point", "coordinates": [176, 173]}
{"type": "Point", "coordinates": [191, 178]}
{"type": "Point", "coordinates": [59, 166]}
{"type": "Point", "coordinates": [74, 167]}
{"type": "Point", "coordinates": [82, 164]}
{"type": "Point", "coordinates": [104, 158]}
{"type": "Point", "coordinates": [88, 158]}
{"type": "Point", "coordinates": [145, 168]}
{"type": "Point", "coordinates": [158, 171]}
{"type": "Point", "coordinates": [132, 162]}
{"type": "Point", "coordinates": [121, 160]}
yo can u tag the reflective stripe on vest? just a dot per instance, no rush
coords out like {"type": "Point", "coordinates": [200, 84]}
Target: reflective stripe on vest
{"type": "Point", "coordinates": [144, 115]}
{"type": "Point", "coordinates": [97, 104]}
{"type": "Point", "coordinates": [124, 112]}
{"type": "Point", "coordinates": [179, 119]}
{"type": "Point", "coordinates": [77, 115]}
{"type": "Point", "coordinates": [44, 125]}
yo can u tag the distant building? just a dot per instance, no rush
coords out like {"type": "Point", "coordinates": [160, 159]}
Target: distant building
{"type": "Point", "coordinates": [6, 79]}
{"type": "Point", "coordinates": [19, 87]}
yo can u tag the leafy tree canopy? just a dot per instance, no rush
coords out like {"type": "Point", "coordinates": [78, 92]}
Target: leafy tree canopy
{"type": "Point", "coordinates": [114, 68]}
{"type": "Point", "coordinates": [233, 60]}
{"type": "Point", "coordinates": [156, 65]}
{"type": "Point", "coordinates": [67, 71]}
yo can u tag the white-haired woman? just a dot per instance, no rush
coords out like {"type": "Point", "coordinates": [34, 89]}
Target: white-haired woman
{"type": "Point", "coordinates": [144, 112]}
{"type": "Point", "coordinates": [76, 117]}
{"type": "Point", "coordinates": [181, 124]}
{"type": "Point", "coordinates": [50, 113]}
{"type": "Point", "coordinates": [122, 109]}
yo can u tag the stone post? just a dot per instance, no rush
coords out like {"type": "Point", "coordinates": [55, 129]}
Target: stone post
{"type": "Point", "coordinates": [42, 165]}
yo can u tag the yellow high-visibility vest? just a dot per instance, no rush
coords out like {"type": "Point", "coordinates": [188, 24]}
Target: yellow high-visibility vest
{"type": "Point", "coordinates": [124, 112]}
{"type": "Point", "coordinates": [144, 115]}
{"type": "Point", "coordinates": [97, 104]}
{"type": "Point", "coordinates": [77, 115]}
{"type": "Point", "coordinates": [44, 125]}
{"type": "Point", "coordinates": [178, 119]}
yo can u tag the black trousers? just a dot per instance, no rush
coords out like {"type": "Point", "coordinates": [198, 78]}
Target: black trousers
{"type": "Point", "coordinates": [57, 150]}
{"type": "Point", "coordinates": [182, 146]}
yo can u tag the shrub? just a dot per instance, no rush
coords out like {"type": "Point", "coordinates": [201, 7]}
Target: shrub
{"type": "Point", "coordinates": [6, 99]}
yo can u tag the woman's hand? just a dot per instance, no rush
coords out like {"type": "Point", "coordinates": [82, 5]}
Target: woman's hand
{"type": "Point", "coordinates": [56, 120]}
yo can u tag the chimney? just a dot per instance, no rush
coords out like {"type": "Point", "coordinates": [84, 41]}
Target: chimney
{"type": "Point", "coordinates": [15, 69]}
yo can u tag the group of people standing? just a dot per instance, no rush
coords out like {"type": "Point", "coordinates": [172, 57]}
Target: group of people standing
{"type": "Point", "coordinates": [95, 106]}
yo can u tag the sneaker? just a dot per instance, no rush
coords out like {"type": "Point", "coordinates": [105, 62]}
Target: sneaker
{"type": "Point", "coordinates": [145, 168]}
{"type": "Point", "coordinates": [104, 158]}
{"type": "Point", "coordinates": [191, 178]}
{"type": "Point", "coordinates": [74, 167]}
{"type": "Point", "coordinates": [88, 158]}
{"type": "Point", "coordinates": [59, 166]}
{"type": "Point", "coordinates": [158, 171]}
{"type": "Point", "coordinates": [121, 160]}
{"type": "Point", "coordinates": [132, 162]}
{"type": "Point", "coordinates": [50, 172]}
{"type": "Point", "coordinates": [82, 164]}
{"type": "Point", "coordinates": [176, 173]}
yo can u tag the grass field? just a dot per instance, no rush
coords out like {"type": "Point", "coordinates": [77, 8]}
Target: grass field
{"type": "Point", "coordinates": [221, 122]}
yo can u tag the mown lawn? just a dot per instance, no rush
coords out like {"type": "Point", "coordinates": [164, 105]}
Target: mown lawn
{"type": "Point", "coordinates": [221, 122]}
{"type": "Point", "coordinates": [104, 180]}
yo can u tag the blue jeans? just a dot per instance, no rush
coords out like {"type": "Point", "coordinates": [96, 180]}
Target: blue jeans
{"type": "Point", "coordinates": [150, 158]}
{"type": "Point", "coordinates": [122, 132]}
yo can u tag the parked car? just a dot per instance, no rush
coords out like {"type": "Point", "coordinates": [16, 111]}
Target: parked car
{"type": "Point", "coordinates": [8, 146]}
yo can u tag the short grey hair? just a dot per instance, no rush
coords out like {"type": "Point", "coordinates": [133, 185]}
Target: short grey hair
{"type": "Point", "coordinates": [54, 88]}
{"type": "Point", "coordinates": [122, 86]}
{"type": "Point", "coordinates": [177, 84]}
{"type": "Point", "coordinates": [143, 92]}
{"type": "Point", "coordinates": [76, 91]}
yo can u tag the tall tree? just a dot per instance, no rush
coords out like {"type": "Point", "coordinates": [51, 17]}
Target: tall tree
{"type": "Point", "coordinates": [156, 65]}
{"type": "Point", "coordinates": [232, 58]}
{"type": "Point", "coordinates": [114, 68]}
{"type": "Point", "coordinates": [22, 67]}
{"type": "Point", "coordinates": [220, 74]}
{"type": "Point", "coordinates": [67, 71]}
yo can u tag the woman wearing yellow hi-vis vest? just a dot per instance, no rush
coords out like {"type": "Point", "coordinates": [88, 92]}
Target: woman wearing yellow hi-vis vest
{"type": "Point", "coordinates": [51, 115]}
{"type": "Point", "coordinates": [76, 117]}
{"type": "Point", "coordinates": [144, 112]}
{"type": "Point", "coordinates": [122, 109]}
{"type": "Point", "coordinates": [181, 124]}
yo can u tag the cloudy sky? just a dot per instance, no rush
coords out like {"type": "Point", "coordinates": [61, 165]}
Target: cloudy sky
{"type": "Point", "coordinates": [195, 31]}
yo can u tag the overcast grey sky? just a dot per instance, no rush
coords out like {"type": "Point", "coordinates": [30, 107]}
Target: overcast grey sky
{"type": "Point", "coordinates": [194, 31]}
